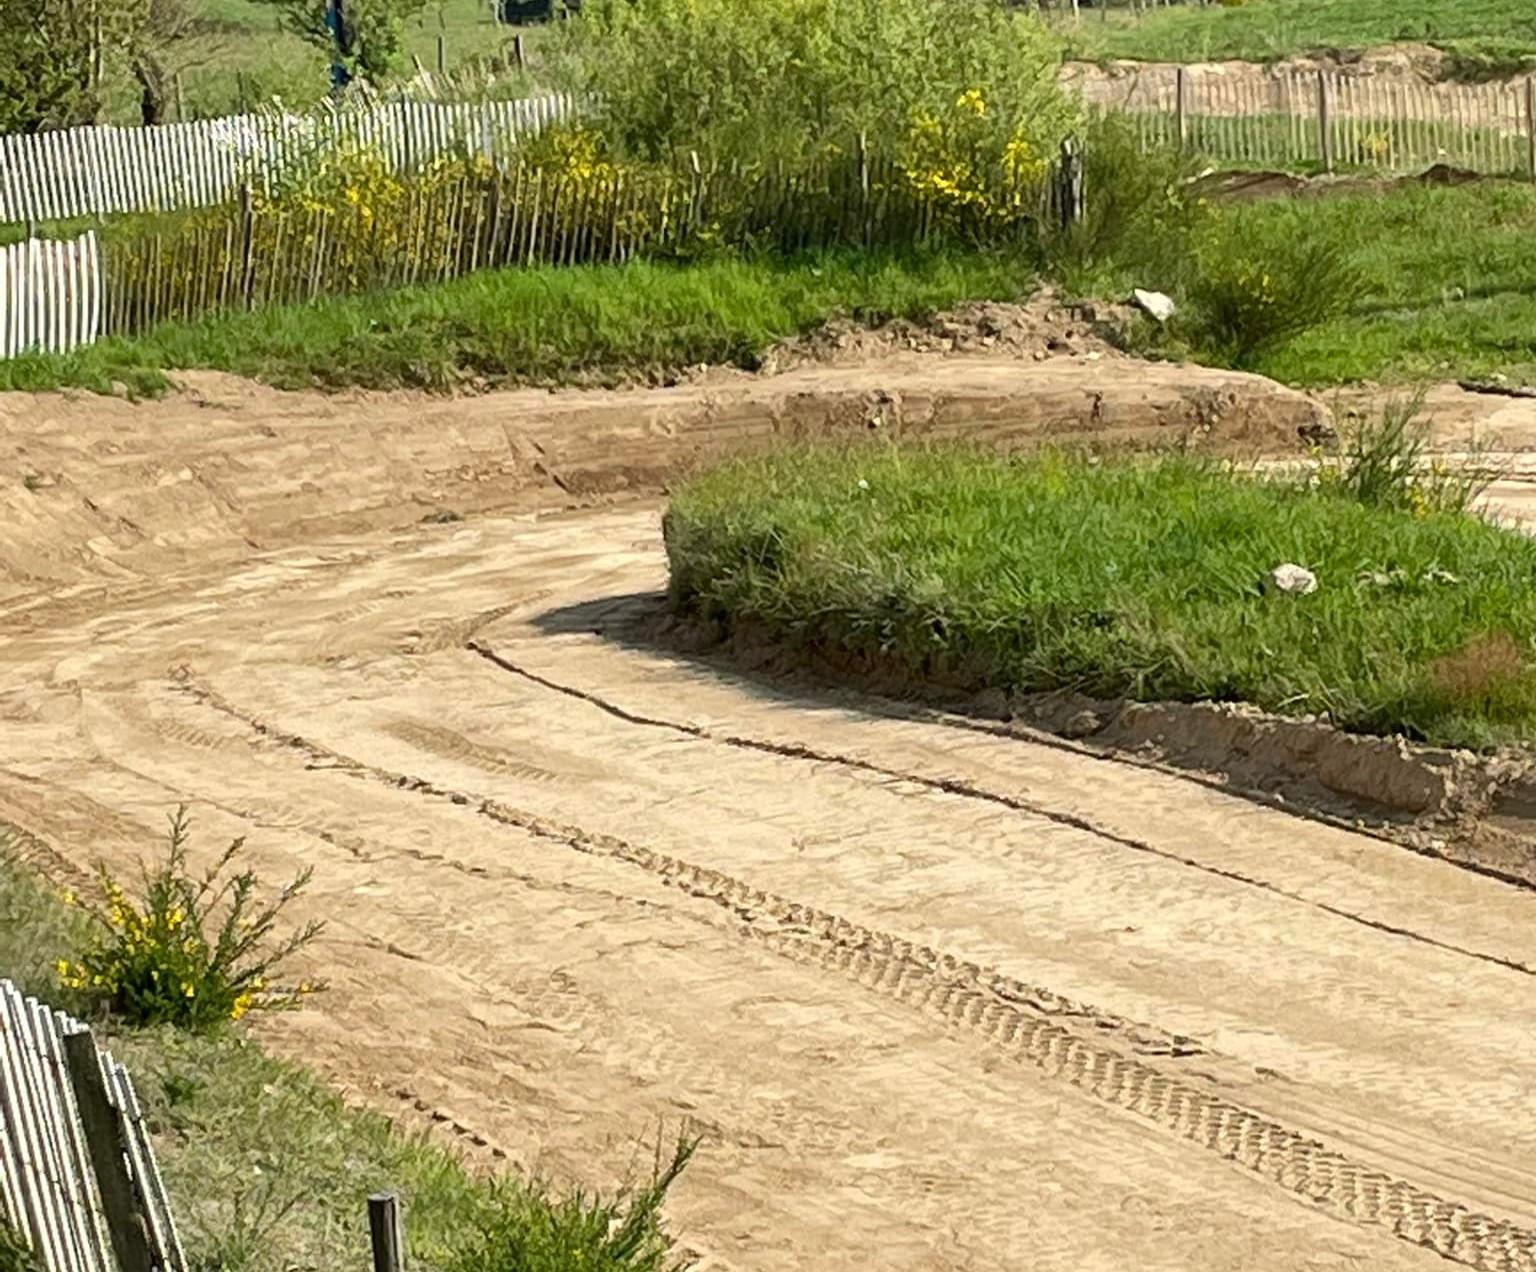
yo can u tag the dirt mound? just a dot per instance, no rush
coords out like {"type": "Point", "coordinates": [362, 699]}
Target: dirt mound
{"type": "Point", "coordinates": [1044, 327]}
{"type": "Point", "coordinates": [102, 489]}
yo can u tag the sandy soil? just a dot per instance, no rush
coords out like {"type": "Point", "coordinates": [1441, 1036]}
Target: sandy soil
{"type": "Point", "coordinates": [937, 999]}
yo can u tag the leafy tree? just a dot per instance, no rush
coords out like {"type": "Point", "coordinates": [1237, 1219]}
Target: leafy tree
{"type": "Point", "coordinates": [366, 42]}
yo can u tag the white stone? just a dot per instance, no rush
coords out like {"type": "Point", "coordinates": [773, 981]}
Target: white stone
{"type": "Point", "coordinates": [1293, 579]}
{"type": "Point", "coordinates": [1156, 304]}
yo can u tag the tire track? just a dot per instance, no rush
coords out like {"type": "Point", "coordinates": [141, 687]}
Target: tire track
{"type": "Point", "coordinates": [969, 790]}
{"type": "Point", "coordinates": [1004, 1014]}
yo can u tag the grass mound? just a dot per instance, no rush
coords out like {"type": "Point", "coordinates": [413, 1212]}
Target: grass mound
{"type": "Point", "coordinates": [1149, 580]}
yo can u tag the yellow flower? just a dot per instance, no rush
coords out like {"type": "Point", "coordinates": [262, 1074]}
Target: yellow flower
{"type": "Point", "coordinates": [189, 989]}
{"type": "Point", "coordinates": [973, 101]}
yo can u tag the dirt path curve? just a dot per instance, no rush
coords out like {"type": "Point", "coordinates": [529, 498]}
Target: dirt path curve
{"type": "Point", "coordinates": [937, 999]}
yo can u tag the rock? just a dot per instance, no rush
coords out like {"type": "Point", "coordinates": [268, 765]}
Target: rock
{"type": "Point", "coordinates": [1293, 579]}
{"type": "Point", "coordinates": [1083, 724]}
{"type": "Point", "coordinates": [1155, 304]}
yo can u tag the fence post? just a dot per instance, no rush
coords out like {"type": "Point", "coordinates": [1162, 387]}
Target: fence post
{"type": "Point", "coordinates": [518, 60]}
{"type": "Point", "coordinates": [384, 1228]}
{"type": "Point", "coordinates": [1324, 123]}
{"type": "Point", "coordinates": [1182, 85]}
{"type": "Point", "coordinates": [1530, 122]}
{"type": "Point", "coordinates": [108, 1148]}
{"type": "Point", "coordinates": [247, 241]}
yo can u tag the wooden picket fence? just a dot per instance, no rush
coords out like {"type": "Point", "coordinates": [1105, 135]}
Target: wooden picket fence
{"type": "Point", "coordinates": [1329, 120]}
{"type": "Point", "coordinates": [78, 1177]}
{"type": "Point", "coordinates": [240, 258]}
{"type": "Point", "coordinates": [50, 294]}
{"type": "Point", "coordinates": [98, 171]}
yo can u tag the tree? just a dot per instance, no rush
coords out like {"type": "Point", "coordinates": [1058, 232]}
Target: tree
{"type": "Point", "coordinates": [366, 40]}
{"type": "Point", "coordinates": [51, 62]}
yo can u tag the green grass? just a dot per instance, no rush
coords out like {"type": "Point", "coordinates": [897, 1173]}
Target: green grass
{"type": "Point", "coordinates": [241, 55]}
{"type": "Point", "coordinates": [1145, 580]}
{"type": "Point", "coordinates": [1483, 36]}
{"type": "Point", "coordinates": [1449, 290]}
{"type": "Point", "coordinates": [537, 326]}
{"type": "Point", "coordinates": [267, 1169]}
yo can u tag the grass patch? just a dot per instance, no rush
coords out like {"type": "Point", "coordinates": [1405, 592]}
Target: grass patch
{"type": "Point", "coordinates": [1443, 283]}
{"type": "Point", "coordinates": [541, 326]}
{"type": "Point", "coordinates": [1146, 580]}
{"type": "Point", "coordinates": [1481, 35]}
{"type": "Point", "coordinates": [268, 1169]}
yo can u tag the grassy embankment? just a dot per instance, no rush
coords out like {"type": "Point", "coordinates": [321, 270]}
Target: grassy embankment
{"type": "Point", "coordinates": [539, 326]}
{"type": "Point", "coordinates": [1482, 37]}
{"type": "Point", "coordinates": [1143, 580]}
{"type": "Point", "coordinates": [268, 1169]}
{"type": "Point", "coordinates": [1448, 289]}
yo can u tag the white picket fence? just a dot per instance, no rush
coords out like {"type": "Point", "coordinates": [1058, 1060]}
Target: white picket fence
{"type": "Point", "coordinates": [96, 171]}
{"type": "Point", "coordinates": [50, 295]}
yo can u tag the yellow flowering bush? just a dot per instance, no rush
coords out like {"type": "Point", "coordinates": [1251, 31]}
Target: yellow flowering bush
{"type": "Point", "coordinates": [972, 169]}
{"type": "Point", "coordinates": [191, 952]}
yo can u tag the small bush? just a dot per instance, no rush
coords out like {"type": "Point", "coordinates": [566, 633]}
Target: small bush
{"type": "Point", "coordinates": [193, 953]}
{"type": "Point", "coordinates": [1244, 303]}
{"type": "Point", "coordinates": [1382, 464]}
{"type": "Point", "coordinates": [521, 1230]}
{"type": "Point", "coordinates": [759, 82]}
{"type": "Point", "coordinates": [1139, 209]}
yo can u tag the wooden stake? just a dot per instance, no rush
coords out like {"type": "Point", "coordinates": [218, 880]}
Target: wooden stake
{"type": "Point", "coordinates": [384, 1228]}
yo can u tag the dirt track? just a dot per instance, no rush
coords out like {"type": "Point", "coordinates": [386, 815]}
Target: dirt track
{"type": "Point", "coordinates": [938, 999]}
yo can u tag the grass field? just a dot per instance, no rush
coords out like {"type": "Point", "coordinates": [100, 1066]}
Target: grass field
{"type": "Point", "coordinates": [549, 325]}
{"type": "Point", "coordinates": [268, 1169]}
{"type": "Point", "coordinates": [1145, 580]}
{"type": "Point", "coordinates": [241, 55]}
{"type": "Point", "coordinates": [1484, 37]}
{"type": "Point", "coordinates": [1450, 283]}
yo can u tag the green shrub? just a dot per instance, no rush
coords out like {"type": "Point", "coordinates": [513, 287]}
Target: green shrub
{"type": "Point", "coordinates": [1246, 302]}
{"type": "Point", "coordinates": [1139, 210]}
{"type": "Point", "coordinates": [521, 1230]}
{"type": "Point", "coordinates": [193, 952]}
{"type": "Point", "coordinates": [752, 82]}
{"type": "Point", "coordinates": [1382, 464]}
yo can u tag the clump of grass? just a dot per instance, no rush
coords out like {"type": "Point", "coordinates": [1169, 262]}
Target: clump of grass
{"type": "Point", "coordinates": [1136, 579]}
{"type": "Point", "coordinates": [1382, 464]}
{"type": "Point", "coordinates": [519, 1229]}
{"type": "Point", "coordinates": [193, 952]}
{"type": "Point", "coordinates": [1247, 302]}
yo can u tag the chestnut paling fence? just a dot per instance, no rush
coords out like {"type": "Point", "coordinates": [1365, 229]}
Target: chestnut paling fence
{"type": "Point", "coordinates": [248, 255]}
{"type": "Point", "coordinates": [57, 294]}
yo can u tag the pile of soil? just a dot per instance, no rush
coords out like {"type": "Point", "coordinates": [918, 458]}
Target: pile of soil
{"type": "Point", "coordinates": [1043, 327]}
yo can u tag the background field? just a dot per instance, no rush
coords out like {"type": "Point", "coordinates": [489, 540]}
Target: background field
{"type": "Point", "coordinates": [1482, 35]}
